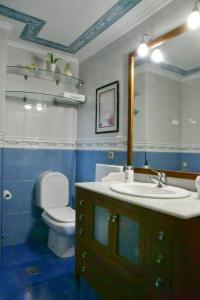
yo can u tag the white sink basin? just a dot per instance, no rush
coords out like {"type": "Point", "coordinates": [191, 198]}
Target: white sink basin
{"type": "Point", "coordinates": [148, 190]}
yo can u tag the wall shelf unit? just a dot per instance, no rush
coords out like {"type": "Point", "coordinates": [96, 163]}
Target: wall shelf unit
{"type": "Point", "coordinates": [45, 75]}
{"type": "Point", "coordinates": [34, 98]}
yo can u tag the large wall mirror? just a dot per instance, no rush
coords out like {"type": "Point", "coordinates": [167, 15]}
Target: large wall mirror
{"type": "Point", "coordinates": [164, 106]}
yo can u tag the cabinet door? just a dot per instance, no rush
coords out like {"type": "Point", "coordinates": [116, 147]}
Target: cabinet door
{"type": "Point", "coordinates": [128, 239]}
{"type": "Point", "coordinates": [100, 229]}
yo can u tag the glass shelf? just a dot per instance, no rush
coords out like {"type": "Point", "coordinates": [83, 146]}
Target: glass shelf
{"type": "Point", "coordinates": [33, 97]}
{"type": "Point", "coordinates": [44, 75]}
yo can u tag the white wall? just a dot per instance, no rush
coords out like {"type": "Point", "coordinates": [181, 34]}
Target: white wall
{"type": "Point", "coordinates": [111, 63]}
{"type": "Point", "coordinates": [53, 122]}
{"type": "Point", "coordinates": [191, 112]}
{"type": "Point", "coordinates": [163, 106]}
{"type": "Point", "coordinates": [169, 107]}
{"type": "Point", "coordinates": [3, 61]}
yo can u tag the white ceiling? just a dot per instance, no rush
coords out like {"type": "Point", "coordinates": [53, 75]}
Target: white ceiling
{"type": "Point", "coordinates": [66, 20]}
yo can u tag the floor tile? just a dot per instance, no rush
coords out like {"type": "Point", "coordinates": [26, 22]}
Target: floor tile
{"type": "Point", "coordinates": [54, 281]}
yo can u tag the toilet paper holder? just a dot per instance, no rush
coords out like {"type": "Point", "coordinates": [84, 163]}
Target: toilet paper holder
{"type": "Point", "coordinates": [7, 194]}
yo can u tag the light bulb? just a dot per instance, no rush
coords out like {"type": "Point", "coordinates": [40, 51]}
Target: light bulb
{"type": "Point", "coordinates": [39, 107]}
{"type": "Point", "coordinates": [194, 19]}
{"type": "Point", "coordinates": [157, 56]}
{"type": "Point", "coordinates": [27, 106]}
{"type": "Point", "coordinates": [143, 50]}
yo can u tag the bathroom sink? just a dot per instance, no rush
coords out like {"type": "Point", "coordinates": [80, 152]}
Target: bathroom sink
{"type": "Point", "coordinates": [148, 190]}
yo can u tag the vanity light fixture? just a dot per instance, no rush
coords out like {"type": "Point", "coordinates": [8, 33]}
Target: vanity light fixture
{"type": "Point", "coordinates": [28, 106]}
{"type": "Point", "coordinates": [194, 18]}
{"type": "Point", "coordinates": [157, 56]}
{"type": "Point", "coordinates": [143, 49]}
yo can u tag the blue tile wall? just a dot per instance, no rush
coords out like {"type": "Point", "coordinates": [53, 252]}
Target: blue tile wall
{"type": "Point", "coordinates": [193, 161]}
{"type": "Point", "coordinates": [0, 197]}
{"type": "Point", "coordinates": [86, 162]}
{"type": "Point", "coordinates": [158, 160]}
{"type": "Point", "coordinates": [21, 167]}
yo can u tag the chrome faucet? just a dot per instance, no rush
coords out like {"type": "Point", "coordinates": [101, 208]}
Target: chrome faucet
{"type": "Point", "coordinates": [160, 180]}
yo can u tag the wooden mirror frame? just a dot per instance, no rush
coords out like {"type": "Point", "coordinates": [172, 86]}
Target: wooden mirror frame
{"type": "Point", "coordinates": [131, 103]}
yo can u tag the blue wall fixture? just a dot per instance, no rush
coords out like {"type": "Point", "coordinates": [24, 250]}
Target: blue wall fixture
{"type": "Point", "coordinates": [21, 168]}
{"type": "Point", "coordinates": [34, 25]}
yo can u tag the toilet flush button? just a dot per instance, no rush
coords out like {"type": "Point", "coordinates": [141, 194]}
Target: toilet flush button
{"type": "Point", "coordinates": [7, 195]}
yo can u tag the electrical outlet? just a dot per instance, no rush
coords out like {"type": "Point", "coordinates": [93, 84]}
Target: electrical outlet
{"type": "Point", "coordinates": [111, 155]}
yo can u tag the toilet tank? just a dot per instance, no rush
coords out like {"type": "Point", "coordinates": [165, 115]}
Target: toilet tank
{"type": "Point", "coordinates": [52, 190]}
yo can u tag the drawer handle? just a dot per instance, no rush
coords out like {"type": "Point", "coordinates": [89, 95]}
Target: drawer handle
{"type": "Point", "coordinates": [81, 217]}
{"type": "Point", "coordinates": [84, 254]}
{"type": "Point", "coordinates": [158, 282]}
{"type": "Point", "coordinates": [81, 231]}
{"type": "Point", "coordinates": [84, 269]}
{"type": "Point", "coordinates": [81, 202]}
{"type": "Point", "coordinates": [161, 235]}
{"type": "Point", "coordinates": [160, 259]}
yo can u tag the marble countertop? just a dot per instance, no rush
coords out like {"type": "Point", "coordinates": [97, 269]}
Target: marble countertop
{"type": "Point", "coordinates": [184, 208]}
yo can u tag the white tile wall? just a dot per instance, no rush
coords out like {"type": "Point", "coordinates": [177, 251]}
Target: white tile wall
{"type": "Point", "coordinates": [3, 60]}
{"type": "Point", "coordinates": [191, 111]}
{"type": "Point", "coordinates": [159, 103]}
{"type": "Point", "coordinates": [53, 122]}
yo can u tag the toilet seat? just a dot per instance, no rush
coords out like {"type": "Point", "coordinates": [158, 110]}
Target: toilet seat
{"type": "Point", "coordinates": [61, 214]}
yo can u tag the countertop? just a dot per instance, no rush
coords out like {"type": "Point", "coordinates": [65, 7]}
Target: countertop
{"type": "Point", "coordinates": [184, 208]}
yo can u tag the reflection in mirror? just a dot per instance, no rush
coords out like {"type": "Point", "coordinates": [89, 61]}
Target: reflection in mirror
{"type": "Point", "coordinates": [167, 123]}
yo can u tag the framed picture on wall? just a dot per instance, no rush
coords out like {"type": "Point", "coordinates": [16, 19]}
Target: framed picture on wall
{"type": "Point", "coordinates": [107, 108]}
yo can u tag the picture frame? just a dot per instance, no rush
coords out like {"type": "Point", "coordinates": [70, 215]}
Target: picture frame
{"type": "Point", "coordinates": [107, 108]}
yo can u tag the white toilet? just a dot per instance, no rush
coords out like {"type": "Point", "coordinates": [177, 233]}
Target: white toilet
{"type": "Point", "coordinates": [52, 195]}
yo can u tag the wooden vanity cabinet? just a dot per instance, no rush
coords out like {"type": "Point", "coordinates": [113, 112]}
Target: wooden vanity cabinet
{"type": "Point", "coordinates": [129, 252]}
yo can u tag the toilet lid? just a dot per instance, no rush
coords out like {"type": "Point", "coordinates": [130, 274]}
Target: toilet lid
{"type": "Point", "coordinates": [61, 214]}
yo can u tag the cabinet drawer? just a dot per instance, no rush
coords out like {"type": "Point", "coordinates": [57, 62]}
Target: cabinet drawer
{"type": "Point", "coordinates": [159, 288]}
{"type": "Point", "coordinates": [160, 259]}
{"type": "Point", "coordinates": [161, 233]}
{"type": "Point", "coordinates": [104, 275]}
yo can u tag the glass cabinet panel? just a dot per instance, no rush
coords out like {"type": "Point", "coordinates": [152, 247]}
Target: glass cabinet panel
{"type": "Point", "coordinates": [101, 224]}
{"type": "Point", "coordinates": [128, 239]}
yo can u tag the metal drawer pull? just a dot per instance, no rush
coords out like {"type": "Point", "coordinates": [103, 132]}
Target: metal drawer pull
{"type": "Point", "coordinates": [158, 282]}
{"type": "Point", "coordinates": [161, 235]}
{"type": "Point", "coordinates": [81, 217]}
{"type": "Point", "coordinates": [81, 231]}
{"type": "Point", "coordinates": [114, 218]}
{"type": "Point", "coordinates": [159, 259]}
{"type": "Point", "coordinates": [81, 202]}
{"type": "Point", "coordinates": [84, 254]}
{"type": "Point", "coordinates": [84, 269]}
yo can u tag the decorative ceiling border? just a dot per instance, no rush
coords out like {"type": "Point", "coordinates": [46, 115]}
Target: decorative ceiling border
{"type": "Point", "coordinates": [34, 25]}
{"type": "Point", "coordinates": [168, 67]}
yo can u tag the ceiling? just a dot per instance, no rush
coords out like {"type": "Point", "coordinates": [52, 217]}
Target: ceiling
{"type": "Point", "coordinates": [75, 27]}
{"type": "Point", "coordinates": [183, 52]}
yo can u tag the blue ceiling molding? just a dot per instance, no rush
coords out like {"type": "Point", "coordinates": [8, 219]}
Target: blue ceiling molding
{"type": "Point", "coordinates": [34, 25]}
{"type": "Point", "coordinates": [168, 67]}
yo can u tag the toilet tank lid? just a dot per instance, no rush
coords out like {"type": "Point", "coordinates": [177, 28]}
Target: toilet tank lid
{"type": "Point", "coordinates": [61, 214]}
